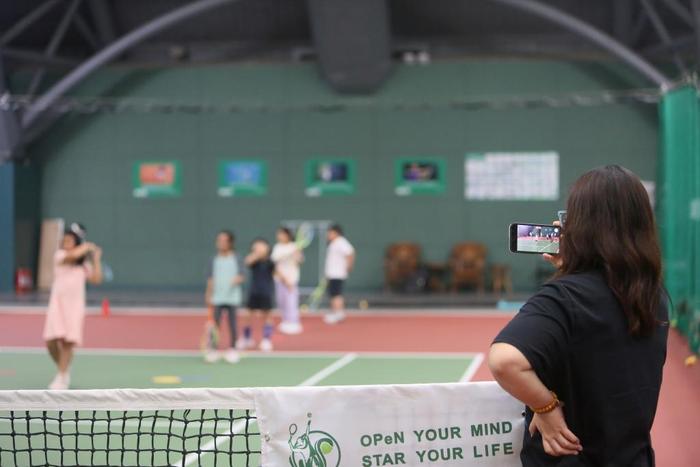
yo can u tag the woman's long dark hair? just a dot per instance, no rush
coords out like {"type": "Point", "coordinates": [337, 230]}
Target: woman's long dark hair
{"type": "Point", "coordinates": [610, 227]}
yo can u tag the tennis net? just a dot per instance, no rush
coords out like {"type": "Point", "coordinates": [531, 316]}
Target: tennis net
{"type": "Point", "coordinates": [182, 427]}
{"type": "Point", "coordinates": [454, 423]}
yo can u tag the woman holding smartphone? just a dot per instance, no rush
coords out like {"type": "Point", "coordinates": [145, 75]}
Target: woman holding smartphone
{"type": "Point", "coordinates": [75, 263]}
{"type": "Point", "coordinates": [586, 352]}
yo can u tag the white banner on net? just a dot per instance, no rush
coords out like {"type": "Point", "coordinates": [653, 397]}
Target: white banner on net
{"type": "Point", "coordinates": [473, 424]}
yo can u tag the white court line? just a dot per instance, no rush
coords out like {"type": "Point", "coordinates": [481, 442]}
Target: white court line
{"type": "Point", "coordinates": [473, 367]}
{"type": "Point", "coordinates": [316, 378]}
{"type": "Point", "coordinates": [193, 457]}
{"type": "Point", "coordinates": [542, 250]}
{"type": "Point", "coordinates": [238, 426]}
{"type": "Point", "coordinates": [254, 355]}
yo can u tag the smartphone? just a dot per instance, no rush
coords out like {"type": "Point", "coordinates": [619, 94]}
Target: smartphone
{"type": "Point", "coordinates": [534, 238]}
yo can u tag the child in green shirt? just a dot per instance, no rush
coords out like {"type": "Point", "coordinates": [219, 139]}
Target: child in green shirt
{"type": "Point", "coordinates": [224, 291]}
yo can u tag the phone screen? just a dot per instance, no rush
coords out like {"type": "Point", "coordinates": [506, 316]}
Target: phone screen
{"type": "Point", "coordinates": [534, 238]}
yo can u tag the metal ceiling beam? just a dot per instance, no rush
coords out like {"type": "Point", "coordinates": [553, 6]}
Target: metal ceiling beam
{"type": "Point", "coordinates": [593, 35]}
{"type": "Point", "coordinates": [663, 33]}
{"type": "Point", "coordinates": [36, 58]}
{"type": "Point", "coordinates": [639, 27]}
{"type": "Point", "coordinates": [104, 20]}
{"type": "Point", "coordinates": [9, 126]}
{"type": "Point", "coordinates": [679, 44]}
{"type": "Point", "coordinates": [680, 11]}
{"type": "Point", "coordinates": [27, 21]}
{"type": "Point", "coordinates": [56, 39]}
{"type": "Point", "coordinates": [85, 31]}
{"type": "Point", "coordinates": [696, 20]}
{"type": "Point", "coordinates": [623, 20]}
{"type": "Point", "coordinates": [112, 51]}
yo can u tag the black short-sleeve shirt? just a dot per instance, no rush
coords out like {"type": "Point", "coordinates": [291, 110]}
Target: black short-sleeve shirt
{"type": "Point", "coordinates": [574, 334]}
{"type": "Point", "coordinates": [262, 282]}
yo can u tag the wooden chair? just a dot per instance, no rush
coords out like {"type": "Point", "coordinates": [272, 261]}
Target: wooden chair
{"type": "Point", "coordinates": [501, 280]}
{"type": "Point", "coordinates": [467, 265]}
{"type": "Point", "coordinates": [401, 262]}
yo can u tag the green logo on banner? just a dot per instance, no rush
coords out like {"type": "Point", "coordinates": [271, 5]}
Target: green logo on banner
{"type": "Point", "coordinates": [313, 448]}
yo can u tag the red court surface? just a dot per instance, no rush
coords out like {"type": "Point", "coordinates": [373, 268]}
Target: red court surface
{"type": "Point", "coordinates": [677, 423]}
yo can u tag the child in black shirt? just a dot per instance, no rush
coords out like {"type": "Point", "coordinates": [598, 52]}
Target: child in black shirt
{"type": "Point", "coordinates": [260, 296]}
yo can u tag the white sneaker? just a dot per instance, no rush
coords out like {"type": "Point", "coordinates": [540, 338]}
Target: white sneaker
{"type": "Point", "coordinates": [244, 344]}
{"type": "Point", "coordinates": [66, 380]}
{"type": "Point", "coordinates": [266, 345]}
{"type": "Point", "coordinates": [59, 382]}
{"type": "Point", "coordinates": [231, 356]}
{"type": "Point", "coordinates": [212, 356]}
{"type": "Point", "coordinates": [55, 382]}
{"type": "Point", "coordinates": [334, 317]}
{"type": "Point", "coordinates": [287, 327]}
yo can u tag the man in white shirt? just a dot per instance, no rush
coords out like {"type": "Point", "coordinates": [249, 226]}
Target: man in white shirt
{"type": "Point", "coordinates": [340, 258]}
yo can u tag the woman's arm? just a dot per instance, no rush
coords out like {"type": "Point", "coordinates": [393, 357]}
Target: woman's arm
{"type": "Point", "coordinates": [95, 276]}
{"type": "Point", "coordinates": [78, 252]}
{"type": "Point", "coordinates": [514, 373]}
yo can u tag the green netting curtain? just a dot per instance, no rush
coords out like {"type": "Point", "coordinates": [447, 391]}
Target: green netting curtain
{"type": "Point", "coordinates": [679, 207]}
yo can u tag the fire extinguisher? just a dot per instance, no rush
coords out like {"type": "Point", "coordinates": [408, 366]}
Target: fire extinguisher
{"type": "Point", "coordinates": [23, 280]}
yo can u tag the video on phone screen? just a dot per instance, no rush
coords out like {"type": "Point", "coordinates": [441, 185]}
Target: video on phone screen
{"type": "Point", "coordinates": [538, 239]}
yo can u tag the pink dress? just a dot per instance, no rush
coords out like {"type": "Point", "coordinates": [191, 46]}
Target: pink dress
{"type": "Point", "coordinates": [66, 313]}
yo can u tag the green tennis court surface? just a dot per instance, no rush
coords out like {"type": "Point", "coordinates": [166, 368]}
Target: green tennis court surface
{"type": "Point", "coordinates": [103, 370]}
{"type": "Point", "coordinates": [189, 438]}
{"type": "Point", "coordinates": [537, 245]}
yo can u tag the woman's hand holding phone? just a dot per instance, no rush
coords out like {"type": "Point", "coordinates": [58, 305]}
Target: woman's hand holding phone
{"type": "Point", "coordinates": [554, 260]}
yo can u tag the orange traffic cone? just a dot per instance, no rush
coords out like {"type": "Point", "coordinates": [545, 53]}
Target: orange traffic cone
{"type": "Point", "coordinates": [105, 307]}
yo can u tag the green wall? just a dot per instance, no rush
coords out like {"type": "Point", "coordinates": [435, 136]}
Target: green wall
{"type": "Point", "coordinates": [86, 160]}
{"type": "Point", "coordinates": [27, 214]}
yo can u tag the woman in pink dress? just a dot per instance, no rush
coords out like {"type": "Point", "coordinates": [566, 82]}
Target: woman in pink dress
{"type": "Point", "coordinates": [75, 263]}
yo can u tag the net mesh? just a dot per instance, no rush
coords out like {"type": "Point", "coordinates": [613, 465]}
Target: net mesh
{"type": "Point", "coordinates": [163, 437]}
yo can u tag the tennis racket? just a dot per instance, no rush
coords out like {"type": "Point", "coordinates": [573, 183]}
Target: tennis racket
{"type": "Point", "coordinates": [107, 273]}
{"type": "Point", "coordinates": [210, 337]}
{"type": "Point", "coordinates": [317, 295]}
{"type": "Point", "coordinates": [305, 235]}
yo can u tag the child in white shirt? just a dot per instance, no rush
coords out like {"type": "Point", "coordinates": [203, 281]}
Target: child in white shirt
{"type": "Point", "coordinates": [287, 257]}
{"type": "Point", "coordinates": [340, 258]}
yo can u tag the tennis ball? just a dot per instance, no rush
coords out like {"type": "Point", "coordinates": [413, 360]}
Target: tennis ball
{"type": "Point", "coordinates": [304, 308]}
{"type": "Point", "coordinates": [364, 304]}
{"type": "Point", "coordinates": [326, 447]}
{"type": "Point", "coordinates": [692, 360]}
{"type": "Point", "coordinates": [166, 379]}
